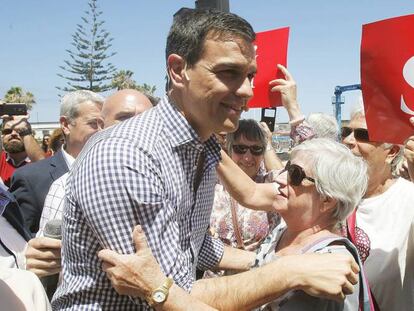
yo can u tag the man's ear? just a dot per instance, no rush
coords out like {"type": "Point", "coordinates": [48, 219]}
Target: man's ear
{"type": "Point", "coordinates": [64, 124]}
{"type": "Point", "coordinates": [176, 70]}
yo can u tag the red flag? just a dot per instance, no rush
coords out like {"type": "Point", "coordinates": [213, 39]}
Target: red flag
{"type": "Point", "coordinates": [271, 49]}
{"type": "Point", "coordinates": [387, 78]}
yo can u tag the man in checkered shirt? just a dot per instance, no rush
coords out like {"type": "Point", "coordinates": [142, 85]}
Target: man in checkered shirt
{"type": "Point", "coordinates": [158, 169]}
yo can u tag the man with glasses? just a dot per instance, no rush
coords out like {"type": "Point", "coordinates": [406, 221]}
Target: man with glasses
{"type": "Point", "coordinates": [19, 146]}
{"type": "Point", "coordinates": [80, 117]}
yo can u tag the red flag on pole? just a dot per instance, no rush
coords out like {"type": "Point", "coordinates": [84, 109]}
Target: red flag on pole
{"type": "Point", "coordinates": [271, 49]}
{"type": "Point", "coordinates": [387, 78]}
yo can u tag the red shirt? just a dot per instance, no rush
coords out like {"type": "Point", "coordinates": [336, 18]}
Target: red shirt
{"type": "Point", "coordinates": [7, 168]}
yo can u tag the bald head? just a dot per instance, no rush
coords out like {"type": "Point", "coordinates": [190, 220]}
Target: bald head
{"type": "Point", "coordinates": [123, 105]}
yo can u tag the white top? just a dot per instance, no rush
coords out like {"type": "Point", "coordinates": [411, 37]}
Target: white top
{"type": "Point", "coordinates": [384, 227]}
{"type": "Point", "coordinates": [21, 290]}
{"type": "Point", "coordinates": [14, 242]}
{"type": "Point", "coordinates": [53, 207]}
{"type": "Point", "coordinates": [68, 158]}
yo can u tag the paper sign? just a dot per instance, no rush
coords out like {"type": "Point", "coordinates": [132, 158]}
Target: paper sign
{"type": "Point", "coordinates": [271, 49]}
{"type": "Point", "coordinates": [387, 78]}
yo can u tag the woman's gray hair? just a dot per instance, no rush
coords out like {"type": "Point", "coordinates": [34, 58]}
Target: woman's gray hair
{"type": "Point", "coordinates": [69, 106]}
{"type": "Point", "coordinates": [337, 172]}
{"type": "Point", "coordinates": [359, 111]}
{"type": "Point", "coordinates": [249, 129]}
{"type": "Point", "coordinates": [324, 125]}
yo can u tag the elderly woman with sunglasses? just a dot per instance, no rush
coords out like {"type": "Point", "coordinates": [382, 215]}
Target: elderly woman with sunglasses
{"type": "Point", "coordinates": [314, 196]}
{"type": "Point", "coordinates": [382, 226]}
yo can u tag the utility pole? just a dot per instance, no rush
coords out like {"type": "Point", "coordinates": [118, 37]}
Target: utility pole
{"type": "Point", "coordinates": [220, 5]}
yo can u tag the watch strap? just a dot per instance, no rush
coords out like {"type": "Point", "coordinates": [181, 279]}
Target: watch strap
{"type": "Point", "coordinates": [165, 288]}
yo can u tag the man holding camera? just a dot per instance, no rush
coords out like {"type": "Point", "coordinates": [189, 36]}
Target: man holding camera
{"type": "Point", "coordinates": [19, 146]}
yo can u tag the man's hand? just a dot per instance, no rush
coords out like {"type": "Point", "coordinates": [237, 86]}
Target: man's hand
{"type": "Point", "coordinates": [330, 276]}
{"type": "Point", "coordinates": [287, 89]}
{"type": "Point", "coordinates": [43, 256]}
{"type": "Point", "coordinates": [135, 274]}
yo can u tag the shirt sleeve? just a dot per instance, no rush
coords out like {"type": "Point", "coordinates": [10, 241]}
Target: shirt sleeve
{"type": "Point", "coordinates": [210, 253]}
{"type": "Point", "coordinates": [301, 132]}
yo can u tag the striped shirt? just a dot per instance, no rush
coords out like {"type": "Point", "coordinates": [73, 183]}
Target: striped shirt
{"type": "Point", "coordinates": [141, 171]}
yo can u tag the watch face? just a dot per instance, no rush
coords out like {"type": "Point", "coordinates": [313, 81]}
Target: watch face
{"type": "Point", "coordinates": [158, 296]}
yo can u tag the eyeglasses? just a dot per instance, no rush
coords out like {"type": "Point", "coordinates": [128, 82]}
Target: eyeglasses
{"type": "Point", "coordinates": [360, 134]}
{"type": "Point", "coordinates": [254, 150]}
{"type": "Point", "coordinates": [10, 130]}
{"type": "Point", "coordinates": [296, 174]}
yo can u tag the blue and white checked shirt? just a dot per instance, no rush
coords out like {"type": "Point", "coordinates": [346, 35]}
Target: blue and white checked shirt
{"type": "Point", "coordinates": [139, 172]}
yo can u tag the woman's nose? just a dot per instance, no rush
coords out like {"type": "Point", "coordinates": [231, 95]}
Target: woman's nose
{"type": "Point", "coordinates": [282, 178]}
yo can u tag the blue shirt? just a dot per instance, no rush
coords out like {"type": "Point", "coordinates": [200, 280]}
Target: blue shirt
{"type": "Point", "coordinates": [141, 171]}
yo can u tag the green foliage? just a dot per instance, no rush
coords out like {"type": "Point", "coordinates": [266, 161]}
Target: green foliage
{"type": "Point", "coordinates": [17, 95]}
{"type": "Point", "coordinates": [123, 80]}
{"type": "Point", "coordinates": [87, 66]}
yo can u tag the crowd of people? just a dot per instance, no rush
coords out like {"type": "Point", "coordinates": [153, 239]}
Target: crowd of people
{"type": "Point", "coordinates": [138, 203]}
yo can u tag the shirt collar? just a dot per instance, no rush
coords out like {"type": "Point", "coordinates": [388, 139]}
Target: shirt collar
{"type": "Point", "coordinates": [10, 160]}
{"type": "Point", "coordinates": [68, 158]}
{"type": "Point", "coordinates": [178, 128]}
{"type": "Point", "coordinates": [181, 132]}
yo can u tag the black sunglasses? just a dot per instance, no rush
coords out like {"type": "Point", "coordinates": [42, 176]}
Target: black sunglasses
{"type": "Point", "coordinates": [360, 134]}
{"type": "Point", "coordinates": [10, 130]}
{"type": "Point", "coordinates": [254, 150]}
{"type": "Point", "coordinates": [296, 174]}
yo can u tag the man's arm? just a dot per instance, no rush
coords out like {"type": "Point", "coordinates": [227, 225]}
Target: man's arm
{"type": "Point", "coordinates": [242, 188]}
{"type": "Point", "coordinates": [329, 276]}
{"type": "Point", "coordinates": [33, 150]}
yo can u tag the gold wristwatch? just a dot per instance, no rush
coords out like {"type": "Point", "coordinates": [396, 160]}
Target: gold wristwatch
{"type": "Point", "coordinates": [160, 294]}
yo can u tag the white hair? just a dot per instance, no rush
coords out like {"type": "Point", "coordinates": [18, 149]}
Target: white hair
{"type": "Point", "coordinates": [337, 172]}
{"type": "Point", "coordinates": [359, 111]}
{"type": "Point", "coordinates": [324, 125]}
{"type": "Point", "coordinates": [69, 105]}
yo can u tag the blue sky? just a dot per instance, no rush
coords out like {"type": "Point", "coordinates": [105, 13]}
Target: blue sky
{"type": "Point", "coordinates": [323, 45]}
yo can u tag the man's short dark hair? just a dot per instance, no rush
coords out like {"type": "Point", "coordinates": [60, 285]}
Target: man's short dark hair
{"type": "Point", "coordinates": [191, 27]}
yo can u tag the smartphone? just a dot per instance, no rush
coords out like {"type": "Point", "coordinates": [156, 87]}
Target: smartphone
{"type": "Point", "coordinates": [13, 109]}
{"type": "Point", "coordinates": [269, 117]}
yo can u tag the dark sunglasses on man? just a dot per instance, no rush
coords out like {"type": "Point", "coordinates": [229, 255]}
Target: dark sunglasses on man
{"type": "Point", "coordinates": [296, 174]}
{"type": "Point", "coordinates": [254, 149]}
{"type": "Point", "coordinates": [21, 131]}
{"type": "Point", "coordinates": [360, 134]}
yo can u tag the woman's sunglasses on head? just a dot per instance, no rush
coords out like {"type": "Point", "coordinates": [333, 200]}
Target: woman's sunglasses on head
{"type": "Point", "coordinates": [360, 134]}
{"type": "Point", "coordinates": [254, 150]}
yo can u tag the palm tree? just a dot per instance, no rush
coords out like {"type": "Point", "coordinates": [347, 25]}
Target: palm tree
{"type": "Point", "coordinates": [16, 94]}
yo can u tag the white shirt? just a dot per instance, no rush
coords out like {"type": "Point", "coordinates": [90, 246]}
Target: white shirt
{"type": "Point", "coordinates": [68, 158]}
{"type": "Point", "coordinates": [14, 242]}
{"type": "Point", "coordinates": [53, 207]}
{"type": "Point", "coordinates": [385, 237]}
